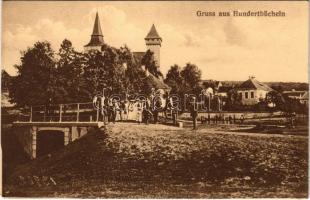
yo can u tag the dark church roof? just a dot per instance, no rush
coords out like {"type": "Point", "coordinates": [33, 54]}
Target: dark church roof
{"type": "Point", "coordinates": [153, 33]}
{"type": "Point", "coordinates": [96, 37]}
{"type": "Point", "coordinates": [156, 82]}
{"type": "Point", "coordinates": [138, 55]}
{"type": "Point", "coordinates": [252, 83]}
{"type": "Point", "coordinates": [97, 27]}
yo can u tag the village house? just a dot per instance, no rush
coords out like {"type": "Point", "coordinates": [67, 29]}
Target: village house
{"type": "Point", "coordinates": [215, 85]}
{"type": "Point", "coordinates": [252, 91]}
{"type": "Point", "coordinates": [216, 88]}
{"type": "Point", "coordinates": [210, 87]}
{"type": "Point", "coordinates": [301, 96]}
{"type": "Point", "coordinates": [305, 99]}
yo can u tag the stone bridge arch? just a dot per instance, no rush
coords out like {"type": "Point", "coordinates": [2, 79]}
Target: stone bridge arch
{"type": "Point", "coordinates": [33, 135]}
{"type": "Point", "coordinates": [40, 136]}
{"type": "Point", "coordinates": [48, 141]}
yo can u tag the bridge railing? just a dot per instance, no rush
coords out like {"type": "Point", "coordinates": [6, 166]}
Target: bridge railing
{"type": "Point", "coordinates": [74, 112]}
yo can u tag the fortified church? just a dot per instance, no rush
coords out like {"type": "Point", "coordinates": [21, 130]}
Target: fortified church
{"type": "Point", "coordinates": [153, 43]}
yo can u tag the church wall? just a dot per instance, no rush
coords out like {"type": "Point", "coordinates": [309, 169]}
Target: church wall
{"type": "Point", "coordinates": [88, 48]}
{"type": "Point", "coordinates": [156, 50]}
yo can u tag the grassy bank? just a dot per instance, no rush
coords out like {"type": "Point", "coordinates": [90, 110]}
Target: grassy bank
{"type": "Point", "coordinates": [130, 160]}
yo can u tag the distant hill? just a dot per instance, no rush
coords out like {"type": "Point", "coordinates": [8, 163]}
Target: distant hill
{"type": "Point", "coordinates": [285, 86]}
{"type": "Point", "coordinates": [289, 85]}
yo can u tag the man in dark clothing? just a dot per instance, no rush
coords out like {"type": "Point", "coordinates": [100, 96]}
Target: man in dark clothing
{"type": "Point", "coordinates": [242, 119]}
{"type": "Point", "coordinates": [146, 113]}
{"type": "Point", "coordinates": [155, 116]}
{"type": "Point", "coordinates": [194, 112]}
{"type": "Point", "coordinates": [157, 106]}
{"type": "Point", "coordinates": [122, 109]}
{"type": "Point", "coordinates": [230, 119]}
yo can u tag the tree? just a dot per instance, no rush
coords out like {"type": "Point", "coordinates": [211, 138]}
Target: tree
{"type": "Point", "coordinates": [150, 64]}
{"type": "Point", "coordinates": [114, 69]}
{"type": "Point", "coordinates": [94, 75]}
{"type": "Point", "coordinates": [33, 85]}
{"type": "Point", "coordinates": [104, 71]}
{"type": "Point", "coordinates": [215, 103]}
{"type": "Point", "coordinates": [291, 105]}
{"type": "Point", "coordinates": [234, 100]}
{"type": "Point", "coordinates": [191, 76]}
{"type": "Point", "coordinates": [69, 80]}
{"type": "Point", "coordinates": [174, 79]}
{"type": "Point", "coordinates": [75, 76]}
{"type": "Point", "coordinates": [277, 88]}
{"type": "Point", "coordinates": [276, 99]}
{"type": "Point", "coordinates": [134, 75]}
{"type": "Point", "coordinates": [5, 80]}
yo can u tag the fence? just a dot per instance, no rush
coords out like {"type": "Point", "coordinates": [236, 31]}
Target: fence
{"type": "Point", "coordinates": [74, 112]}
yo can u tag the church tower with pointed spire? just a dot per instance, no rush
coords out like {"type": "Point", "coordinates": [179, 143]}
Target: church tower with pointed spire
{"type": "Point", "coordinates": [96, 40]}
{"type": "Point", "coordinates": [153, 43]}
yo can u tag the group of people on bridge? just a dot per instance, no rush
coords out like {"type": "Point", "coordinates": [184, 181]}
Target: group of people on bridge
{"type": "Point", "coordinates": [141, 109]}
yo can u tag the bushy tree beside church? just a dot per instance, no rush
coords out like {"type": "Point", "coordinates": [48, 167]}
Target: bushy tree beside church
{"type": "Point", "coordinates": [149, 62]}
{"type": "Point", "coordinates": [34, 83]}
{"type": "Point", "coordinates": [70, 76]}
{"type": "Point", "coordinates": [134, 75]}
{"type": "Point", "coordinates": [184, 80]}
{"type": "Point", "coordinates": [174, 79]}
{"type": "Point", "coordinates": [104, 70]}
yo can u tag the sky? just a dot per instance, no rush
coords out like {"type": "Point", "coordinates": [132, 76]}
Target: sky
{"type": "Point", "coordinates": [224, 48]}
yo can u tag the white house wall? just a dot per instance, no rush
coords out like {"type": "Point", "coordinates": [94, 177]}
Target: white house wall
{"type": "Point", "coordinates": [258, 94]}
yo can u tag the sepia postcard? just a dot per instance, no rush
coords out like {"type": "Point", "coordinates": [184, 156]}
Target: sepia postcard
{"type": "Point", "coordinates": [154, 99]}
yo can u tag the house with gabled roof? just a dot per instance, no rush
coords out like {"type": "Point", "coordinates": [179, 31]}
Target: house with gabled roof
{"type": "Point", "coordinates": [301, 96]}
{"type": "Point", "coordinates": [305, 99]}
{"type": "Point", "coordinates": [252, 91]}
